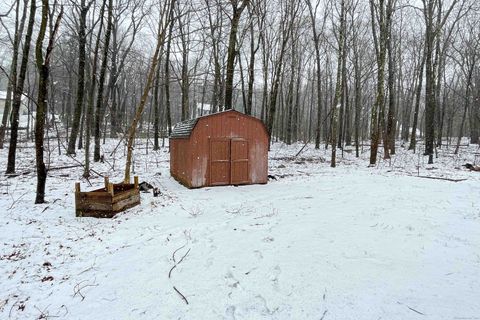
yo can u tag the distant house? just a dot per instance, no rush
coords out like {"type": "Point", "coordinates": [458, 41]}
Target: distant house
{"type": "Point", "coordinates": [203, 109]}
{"type": "Point", "coordinates": [3, 97]}
{"type": "Point", "coordinates": [23, 106]}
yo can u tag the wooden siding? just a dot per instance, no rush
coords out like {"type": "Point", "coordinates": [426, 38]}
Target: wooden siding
{"type": "Point", "coordinates": [190, 157]}
{"type": "Point", "coordinates": [180, 160]}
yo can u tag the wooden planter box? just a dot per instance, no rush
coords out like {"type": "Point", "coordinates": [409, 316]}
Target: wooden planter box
{"type": "Point", "coordinates": [107, 201]}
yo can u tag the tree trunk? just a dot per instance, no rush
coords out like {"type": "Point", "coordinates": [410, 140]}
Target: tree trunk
{"type": "Point", "coordinates": [12, 81]}
{"type": "Point", "coordinates": [42, 97]}
{"type": "Point", "coordinates": [413, 135]}
{"type": "Point", "coordinates": [251, 72]}
{"type": "Point", "coordinates": [17, 98]}
{"type": "Point", "coordinates": [318, 73]}
{"type": "Point", "coordinates": [82, 41]}
{"type": "Point", "coordinates": [143, 100]}
{"type": "Point", "coordinates": [167, 74]}
{"type": "Point", "coordinates": [358, 105]}
{"type": "Point", "coordinates": [391, 120]}
{"type": "Point", "coordinates": [43, 66]}
{"type": "Point", "coordinates": [232, 51]}
{"type": "Point", "coordinates": [278, 70]}
{"type": "Point", "coordinates": [338, 83]}
{"type": "Point", "coordinates": [99, 111]}
{"type": "Point", "coordinates": [380, 35]}
{"type": "Point", "coordinates": [156, 110]}
{"type": "Point", "coordinates": [90, 104]}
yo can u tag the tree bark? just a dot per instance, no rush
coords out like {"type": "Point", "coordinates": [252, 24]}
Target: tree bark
{"type": "Point", "coordinates": [99, 111]}
{"type": "Point", "coordinates": [17, 98]}
{"type": "Point", "coordinates": [338, 84]}
{"type": "Point", "coordinates": [413, 135]}
{"type": "Point", "coordinates": [82, 41]}
{"type": "Point", "coordinates": [43, 66]}
{"type": "Point", "coordinates": [167, 74]}
{"type": "Point", "coordinates": [12, 81]}
{"type": "Point", "coordinates": [151, 74]}
{"type": "Point", "coordinates": [89, 116]}
{"type": "Point", "coordinates": [231, 53]}
{"type": "Point", "coordinates": [379, 36]}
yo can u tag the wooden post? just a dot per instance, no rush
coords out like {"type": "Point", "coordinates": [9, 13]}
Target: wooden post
{"type": "Point", "coordinates": [110, 188]}
{"type": "Point", "coordinates": [78, 213]}
{"type": "Point", "coordinates": [135, 179]}
{"type": "Point", "coordinates": [107, 181]}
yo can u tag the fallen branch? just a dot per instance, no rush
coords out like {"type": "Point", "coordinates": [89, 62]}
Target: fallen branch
{"type": "Point", "coordinates": [298, 153]}
{"type": "Point", "coordinates": [14, 175]}
{"type": "Point", "coordinates": [194, 212]}
{"type": "Point", "coordinates": [406, 305]}
{"type": "Point", "coordinates": [415, 310]}
{"type": "Point", "coordinates": [77, 289]}
{"type": "Point", "coordinates": [174, 252]}
{"type": "Point", "coordinates": [15, 201]}
{"type": "Point", "coordinates": [80, 164]}
{"type": "Point", "coordinates": [471, 167]}
{"type": "Point", "coordinates": [324, 314]}
{"type": "Point", "coordinates": [439, 178]}
{"type": "Point", "coordinates": [65, 167]}
{"type": "Point", "coordinates": [176, 264]}
{"type": "Point", "coordinates": [181, 295]}
{"type": "Point", "coordinates": [118, 144]}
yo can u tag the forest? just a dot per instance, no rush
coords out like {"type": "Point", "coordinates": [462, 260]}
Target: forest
{"type": "Point", "coordinates": [330, 72]}
{"type": "Point", "coordinates": [359, 99]}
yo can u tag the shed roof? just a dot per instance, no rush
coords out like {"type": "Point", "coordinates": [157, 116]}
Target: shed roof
{"type": "Point", "coordinates": [184, 129]}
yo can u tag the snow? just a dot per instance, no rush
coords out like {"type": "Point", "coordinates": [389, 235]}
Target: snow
{"type": "Point", "coordinates": [350, 242]}
{"type": "Point", "coordinates": [205, 106]}
{"type": "Point", "coordinates": [203, 109]}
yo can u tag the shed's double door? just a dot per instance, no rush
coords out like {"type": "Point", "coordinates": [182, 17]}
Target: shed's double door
{"type": "Point", "coordinates": [228, 161]}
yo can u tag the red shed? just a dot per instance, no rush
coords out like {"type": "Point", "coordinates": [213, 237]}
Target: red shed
{"type": "Point", "coordinates": [225, 148]}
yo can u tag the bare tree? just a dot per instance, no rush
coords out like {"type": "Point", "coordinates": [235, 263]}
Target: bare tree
{"type": "Point", "coordinates": [163, 25]}
{"type": "Point", "coordinates": [82, 40]}
{"type": "Point", "coordinates": [380, 15]}
{"type": "Point", "coordinates": [316, 41]}
{"type": "Point", "coordinates": [43, 66]}
{"type": "Point", "coordinates": [89, 117]}
{"type": "Point", "coordinates": [237, 7]}
{"type": "Point", "coordinates": [289, 14]}
{"type": "Point", "coordinates": [435, 19]}
{"type": "Point", "coordinates": [12, 81]}
{"type": "Point", "coordinates": [100, 108]}
{"type": "Point", "coordinates": [339, 83]}
{"type": "Point", "coordinates": [17, 97]}
{"type": "Point", "coordinates": [468, 61]}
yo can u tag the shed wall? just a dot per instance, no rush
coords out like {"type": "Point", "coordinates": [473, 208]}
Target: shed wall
{"type": "Point", "coordinates": [180, 160]}
{"type": "Point", "coordinates": [228, 125]}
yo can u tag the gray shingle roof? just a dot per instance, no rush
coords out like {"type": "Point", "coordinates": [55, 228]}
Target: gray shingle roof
{"type": "Point", "coordinates": [183, 129]}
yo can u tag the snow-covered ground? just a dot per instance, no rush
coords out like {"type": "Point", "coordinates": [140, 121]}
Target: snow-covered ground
{"type": "Point", "coordinates": [318, 243]}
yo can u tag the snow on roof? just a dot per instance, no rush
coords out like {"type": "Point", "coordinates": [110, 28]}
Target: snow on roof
{"type": "Point", "coordinates": [183, 129]}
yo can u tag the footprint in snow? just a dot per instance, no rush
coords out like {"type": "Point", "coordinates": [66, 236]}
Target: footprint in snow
{"type": "Point", "coordinates": [274, 275]}
{"type": "Point", "coordinates": [209, 262]}
{"type": "Point", "coordinates": [230, 280]}
{"type": "Point", "coordinates": [268, 239]}
{"type": "Point", "coordinates": [230, 312]}
{"type": "Point", "coordinates": [258, 254]}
